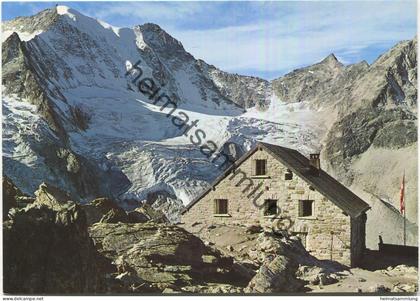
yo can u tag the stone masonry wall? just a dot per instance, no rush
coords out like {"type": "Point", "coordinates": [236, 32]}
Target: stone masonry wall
{"type": "Point", "coordinates": [326, 233]}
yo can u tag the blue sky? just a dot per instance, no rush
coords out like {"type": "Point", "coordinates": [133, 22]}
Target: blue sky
{"type": "Point", "coordinates": [265, 39]}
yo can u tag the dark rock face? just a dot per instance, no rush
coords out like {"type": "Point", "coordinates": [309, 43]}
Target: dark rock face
{"type": "Point", "coordinates": [246, 91]}
{"type": "Point", "coordinates": [83, 176]}
{"type": "Point", "coordinates": [114, 216]}
{"type": "Point", "coordinates": [396, 134]}
{"type": "Point", "coordinates": [233, 151]}
{"type": "Point", "coordinates": [163, 256]}
{"type": "Point", "coordinates": [80, 117]}
{"type": "Point", "coordinates": [356, 132]}
{"type": "Point", "coordinates": [167, 46]}
{"type": "Point", "coordinates": [315, 84]}
{"type": "Point", "coordinates": [27, 78]}
{"type": "Point", "coordinates": [10, 196]}
{"type": "Point", "coordinates": [137, 217]}
{"type": "Point", "coordinates": [147, 213]}
{"type": "Point", "coordinates": [162, 201]}
{"type": "Point", "coordinates": [391, 79]}
{"type": "Point", "coordinates": [104, 210]}
{"type": "Point", "coordinates": [49, 251]}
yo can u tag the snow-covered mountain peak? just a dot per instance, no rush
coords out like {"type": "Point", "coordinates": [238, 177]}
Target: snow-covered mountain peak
{"type": "Point", "coordinates": [65, 10]}
{"type": "Point", "coordinates": [92, 26]}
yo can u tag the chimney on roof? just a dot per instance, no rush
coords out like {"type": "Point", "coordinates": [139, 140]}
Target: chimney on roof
{"type": "Point", "coordinates": [314, 162]}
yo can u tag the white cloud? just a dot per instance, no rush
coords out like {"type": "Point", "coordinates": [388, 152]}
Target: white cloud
{"type": "Point", "coordinates": [274, 36]}
{"type": "Point", "coordinates": [302, 36]}
{"type": "Point", "coordinates": [163, 11]}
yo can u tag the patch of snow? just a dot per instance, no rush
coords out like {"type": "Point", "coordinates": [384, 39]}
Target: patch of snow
{"type": "Point", "coordinates": [24, 36]}
{"type": "Point", "coordinates": [105, 25]}
{"type": "Point", "coordinates": [62, 9]}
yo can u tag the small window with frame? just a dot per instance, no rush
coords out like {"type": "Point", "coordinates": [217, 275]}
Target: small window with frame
{"type": "Point", "coordinates": [306, 208]}
{"type": "Point", "coordinates": [220, 206]}
{"type": "Point", "coordinates": [260, 167]}
{"type": "Point", "coordinates": [270, 207]}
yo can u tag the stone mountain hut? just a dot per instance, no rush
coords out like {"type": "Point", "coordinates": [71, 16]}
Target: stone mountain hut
{"type": "Point", "coordinates": [278, 187]}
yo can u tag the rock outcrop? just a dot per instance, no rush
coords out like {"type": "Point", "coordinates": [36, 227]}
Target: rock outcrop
{"type": "Point", "coordinates": [147, 213]}
{"type": "Point", "coordinates": [51, 197]}
{"type": "Point", "coordinates": [49, 251]}
{"type": "Point", "coordinates": [246, 91]}
{"type": "Point", "coordinates": [10, 195]}
{"type": "Point", "coordinates": [285, 265]}
{"type": "Point", "coordinates": [104, 210]}
{"type": "Point", "coordinates": [167, 203]}
{"type": "Point", "coordinates": [317, 85]}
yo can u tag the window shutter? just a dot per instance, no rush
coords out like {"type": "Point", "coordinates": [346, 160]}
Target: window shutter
{"type": "Point", "coordinates": [225, 209]}
{"type": "Point", "coordinates": [253, 167]}
{"type": "Point", "coordinates": [300, 208]}
{"type": "Point", "coordinates": [215, 207]}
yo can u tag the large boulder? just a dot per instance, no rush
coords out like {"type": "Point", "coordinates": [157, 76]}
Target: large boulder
{"type": "Point", "coordinates": [276, 275]}
{"type": "Point", "coordinates": [51, 196]}
{"type": "Point", "coordinates": [104, 210]}
{"type": "Point", "coordinates": [136, 216]}
{"type": "Point", "coordinates": [147, 213]}
{"type": "Point", "coordinates": [49, 251]}
{"type": "Point", "coordinates": [285, 265]}
{"type": "Point", "coordinates": [114, 216]}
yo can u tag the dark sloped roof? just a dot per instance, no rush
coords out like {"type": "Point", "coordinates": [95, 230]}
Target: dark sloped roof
{"type": "Point", "coordinates": [299, 164]}
{"type": "Point", "coordinates": [221, 177]}
{"type": "Point", "coordinates": [333, 190]}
